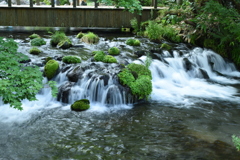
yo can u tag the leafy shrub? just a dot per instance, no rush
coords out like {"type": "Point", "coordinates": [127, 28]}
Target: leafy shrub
{"type": "Point", "coordinates": [113, 51]}
{"type": "Point", "coordinates": [51, 68]}
{"type": "Point", "coordinates": [35, 51]}
{"type": "Point", "coordinates": [71, 59]}
{"type": "Point", "coordinates": [109, 59]}
{"type": "Point", "coordinates": [90, 38]}
{"type": "Point", "coordinates": [81, 105]}
{"type": "Point", "coordinates": [34, 36]}
{"type": "Point", "coordinates": [236, 142]}
{"type": "Point", "coordinates": [38, 42]}
{"type": "Point", "coordinates": [138, 78]}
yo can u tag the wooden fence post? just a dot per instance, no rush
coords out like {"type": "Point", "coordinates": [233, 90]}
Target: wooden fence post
{"type": "Point", "coordinates": [74, 3]}
{"type": "Point", "coordinates": [9, 3]}
{"type": "Point", "coordinates": [31, 3]}
{"type": "Point", "coordinates": [52, 3]}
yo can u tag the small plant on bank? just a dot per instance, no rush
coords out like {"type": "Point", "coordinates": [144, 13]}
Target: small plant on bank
{"type": "Point", "coordinates": [37, 42]}
{"type": "Point", "coordinates": [34, 36]}
{"type": "Point", "coordinates": [35, 51]}
{"type": "Point", "coordinates": [236, 142]}
{"type": "Point", "coordinates": [71, 59]}
{"type": "Point", "coordinates": [90, 38]}
{"type": "Point", "coordinates": [166, 46]}
{"type": "Point", "coordinates": [133, 42]}
{"type": "Point", "coordinates": [113, 51]}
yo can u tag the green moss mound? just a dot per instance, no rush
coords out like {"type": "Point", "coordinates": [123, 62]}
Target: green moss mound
{"type": "Point", "coordinates": [138, 78]}
{"type": "Point", "coordinates": [35, 51]}
{"type": "Point", "coordinates": [71, 59]}
{"type": "Point", "coordinates": [109, 59]}
{"type": "Point", "coordinates": [113, 51]}
{"type": "Point", "coordinates": [81, 105]}
{"type": "Point", "coordinates": [37, 42]}
{"type": "Point", "coordinates": [56, 38]}
{"type": "Point", "coordinates": [34, 36]}
{"type": "Point", "coordinates": [80, 35]}
{"type": "Point", "coordinates": [99, 55]}
{"type": "Point", "coordinates": [50, 69]}
{"type": "Point", "coordinates": [133, 42]}
{"type": "Point", "coordinates": [90, 38]}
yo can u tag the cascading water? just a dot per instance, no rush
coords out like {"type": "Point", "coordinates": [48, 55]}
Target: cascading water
{"type": "Point", "coordinates": [191, 114]}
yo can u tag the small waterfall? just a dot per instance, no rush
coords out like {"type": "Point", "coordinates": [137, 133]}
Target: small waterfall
{"type": "Point", "coordinates": [198, 73]}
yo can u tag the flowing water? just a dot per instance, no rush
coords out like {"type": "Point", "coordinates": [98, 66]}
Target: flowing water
{"type": "Point", "coordinates": [192, 113]}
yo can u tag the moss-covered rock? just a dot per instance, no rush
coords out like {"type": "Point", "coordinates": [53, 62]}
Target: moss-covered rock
{"type": "Point", "coordinates": [35, 51]}
{"type": "Point", "coordinates": [80, 35]}
{"type": "Point", "coordinates": [71, 59]}
{"type": "Point", "coordinates": [65, 43]}
{"type": "Point", "coordinates": [90, 38]}
{"type": "Point", "coordinates": [99, 56]}
{"type": "Point", "coordinates": [133, 42]}
{"type": "Point", "coordinates": [81, 105]}
{"type": "Point", "coordinates": [113, 51]}
{"type": "Point", "coordinates": [56, 38]}
{"type": "Point", "coordinates": [38, 42]}
{"type": "Point", "coordinates": [138, 78]}
{"type": "Point", "coordinates": [166, 46]}
{"type": "Point", "coordinates": [50, 69]}
{"type": "Point", "coordinates": [109, 59]}
{"type": "Point", "coordinates": [34, 36]}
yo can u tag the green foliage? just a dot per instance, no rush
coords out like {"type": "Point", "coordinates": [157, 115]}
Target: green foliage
{"type": "Point", "coordinates": [138, 78]}
{"type": "Point", "coordinates": [38, 42]}
{"type": "Point", "coordinates": [35, 51]}
{"type": "Point", "coordinates": [157, 31]}
{"type": "Point", "coordinates": [166, 46]}
{"type": "Point", "coordinates": [90, 38]}
{"type": "Point", "coordinates": [133, 42]}
{"type": "Point", "coordinates": [99, 56]}
{"type": "Point", "coordinates": [81, 105]}
{"type": "Point", "coordinates": [34, 36]}
{"type": "Point", "coordinates": [109, 59]}
{"type": "Point", "coordinates": [17, 81]}
{"type": "Point", "coordinates": [71, 59]}
{"type": "Point", "coordinates": [113, 51]}
{"type": "Point", "coordinates": [129, 5]}
{"type": "Point", "coordinates": [236, 142]}
{"type": "Point", "coordinates": [221, 24]}
{"type": "Point", "coordinates": [57, 37]}
{"type": "Point", "coordinates": [51, 68]}
{"type": "Point", "coordinates": [135, 25]}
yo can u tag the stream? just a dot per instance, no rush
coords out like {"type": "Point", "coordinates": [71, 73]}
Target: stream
{"type": "Point", "coordinates": [193, 110]}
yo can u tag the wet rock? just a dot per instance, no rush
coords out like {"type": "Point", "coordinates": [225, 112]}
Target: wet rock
{"type": "Point", "coordinates": [140, 53]}
{"type": "Point", "coordinates": [64, 91]}
{"type": "Point", "coordinates": [75, 74]}
{"type": "Point", "coordinates": [204, 73]}
{"type": "Point", "coordinates": [188, 65]}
